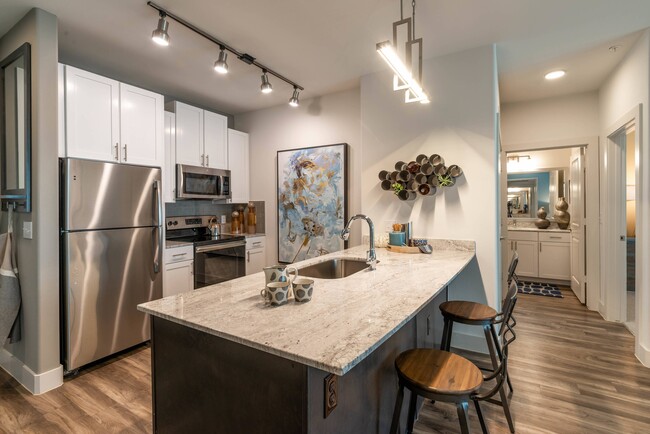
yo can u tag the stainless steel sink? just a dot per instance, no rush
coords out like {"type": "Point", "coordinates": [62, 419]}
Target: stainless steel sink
{"type": "Point", "coordinates": [336, 268]}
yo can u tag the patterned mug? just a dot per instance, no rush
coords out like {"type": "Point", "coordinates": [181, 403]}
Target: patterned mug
{"type": "Point", "coordinates": [302, 288]}
{"type": "Point", "coordinates": [279, 273]}
{"type": "Point", "coordinates": [276, 293]}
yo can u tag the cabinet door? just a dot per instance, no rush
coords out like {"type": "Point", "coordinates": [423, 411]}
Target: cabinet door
{"type": "Point", "coordinates": [215, 139]}
{"type": "Point", "coordinates": [555, 260]}
{"type": "Point", "coordinates": [189, 135]}
{"type": "Point", "coordinates": [92, 111]}
{"type": "Point", "coordinates": [238, 165]}
{"type": "Point", "coordinates": [255, 259]}
{"type": "Point", "coordinates": [169, 169]}
{"type": "Point", "coordinates": [179, 278]}
{"type": "Point", "coordinates": [528, 255]}
{"type": "Point", "coordinates": [141, 126]}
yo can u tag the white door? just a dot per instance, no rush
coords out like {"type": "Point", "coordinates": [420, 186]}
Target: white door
{"type": "Point", "coordinates": [189, 135]}
{"type": "Point", "coordinates": [577, 211]}
{"type": "Point", "coordinates": [92, 105]}
{"type": "Point", "coordinates": [554, 261]}
{"type": "Point", "coordinates": [178, 278]}
{"type": "Point", "coordinates": [255, 259]}
{"type": "Point", "coordinates": [141, 126]}
{"type": "Point", "coordinates": [528, 258]}
{"type": "Point", "coordinates": [215, 140]}
{"type": "Point", "coordinates": [169, 169]}
{"type": "Point", "coordinates": [238, 165]}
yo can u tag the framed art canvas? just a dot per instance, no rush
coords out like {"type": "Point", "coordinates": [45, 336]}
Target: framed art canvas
{"type": "Point", "coordinates": [312, 201]}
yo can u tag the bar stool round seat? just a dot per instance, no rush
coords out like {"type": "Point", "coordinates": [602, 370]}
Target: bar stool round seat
{"type": "Point", "coordinates": [438, 372]}
{"type": "Point", "coordinates": [468, 312]}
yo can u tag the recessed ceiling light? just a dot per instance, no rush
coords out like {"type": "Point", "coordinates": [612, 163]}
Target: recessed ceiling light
{"type": "Point", "coordinates": [553, 75]}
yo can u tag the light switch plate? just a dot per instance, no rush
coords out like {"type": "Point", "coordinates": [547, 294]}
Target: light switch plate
{"type": "Point", "coordinates": [27, 230]}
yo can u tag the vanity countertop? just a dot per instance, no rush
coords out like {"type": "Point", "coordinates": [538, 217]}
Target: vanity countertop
{"type": "Point", "coordinates": [534, 229]}
{"type": "Point", "coordinates": [344, 322]}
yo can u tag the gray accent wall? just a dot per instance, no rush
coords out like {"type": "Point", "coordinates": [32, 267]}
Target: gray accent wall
{"type": "Point", "coordinates": [38, 258]}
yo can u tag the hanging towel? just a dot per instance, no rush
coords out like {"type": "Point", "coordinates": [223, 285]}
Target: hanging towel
{"type": "Point", "coordinates": [9, 287]}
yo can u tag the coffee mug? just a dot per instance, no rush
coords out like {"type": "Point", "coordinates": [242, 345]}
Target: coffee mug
{"type": "Point", "coordinates": [396, 238]}
{"type": "Point", "coordinates": [279, 273]}
{"type": "Point", "coordinates": [302, 288]}
{"type": "Point", "coordinates": [276, 293]}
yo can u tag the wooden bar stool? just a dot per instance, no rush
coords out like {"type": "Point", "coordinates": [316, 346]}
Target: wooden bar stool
{"type": "Point", "coordinates": [443, 376]}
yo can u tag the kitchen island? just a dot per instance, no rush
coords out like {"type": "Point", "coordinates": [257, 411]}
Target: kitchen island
{"type": "Point", "coordinates": [224, 361]}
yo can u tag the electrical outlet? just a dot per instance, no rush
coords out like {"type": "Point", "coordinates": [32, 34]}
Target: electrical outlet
{"type": "Point", "coordinates": [27, 230]}
{"type": "Point", "coordinates": [331, 393]}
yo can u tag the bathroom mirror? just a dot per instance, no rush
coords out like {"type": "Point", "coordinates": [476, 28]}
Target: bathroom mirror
{"type": "Point", "coordinates": [15, 130]}
{"type": "Point", "coordinates": [529, 191]}
{"type": "Point", "coordinates": [522, 197]}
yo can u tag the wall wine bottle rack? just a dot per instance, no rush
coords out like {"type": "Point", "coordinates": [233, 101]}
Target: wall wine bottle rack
{"type": "Point", "coordinates": [423, 177]}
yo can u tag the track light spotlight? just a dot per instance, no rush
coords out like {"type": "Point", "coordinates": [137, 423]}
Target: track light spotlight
{"type": "Point", "coordinates": [160, 35]}
{"type": "Point", "coordinates": [221, 66]}
{"type": "Point", "coordinates": [266, 86]}
{"type": "Point", "coordinates": [294, 102]}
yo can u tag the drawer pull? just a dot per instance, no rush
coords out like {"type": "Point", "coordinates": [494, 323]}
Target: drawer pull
{"type": "Point", "coordinates": [179, 254]}
{"type": "Point", "coordinates": [556, 238]}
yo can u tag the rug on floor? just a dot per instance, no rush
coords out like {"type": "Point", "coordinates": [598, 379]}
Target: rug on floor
{"type": "Point", "coordinates": [535, 288]}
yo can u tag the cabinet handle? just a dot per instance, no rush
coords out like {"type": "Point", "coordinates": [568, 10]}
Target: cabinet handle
{"type": "Point", "coordinates": [516, 245]}
{"type": "Point", "coordinates": [117, 152]}
{"type": "Point", "coordinates": [125, 154]}
{"type": "Point", "coordinates": [249, 256]}
{"type": "Point", "coordinates": [192, 268]}
{"type": "Point", "coordinates": [540, 247]}
{"type": "Point", "coordinates": [207, 161]}
{"type": "Point", "coordinates": [179, 254]}
{"type": "Point", "coordinates": [202, 159]}
{"type": "Point", "coordinates": [555, 238]}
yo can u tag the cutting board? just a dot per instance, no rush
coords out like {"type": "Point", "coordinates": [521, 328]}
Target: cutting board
{"type": "Point", "coordinates": [403, 249]}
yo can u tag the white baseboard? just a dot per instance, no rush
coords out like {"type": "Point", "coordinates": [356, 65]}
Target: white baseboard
{"type": "Point", "coordinates": [643, 354]}
{"type": "Point", "coordinates": [469, 342]}
{"type": "Point", "coordinates": [35, 383]}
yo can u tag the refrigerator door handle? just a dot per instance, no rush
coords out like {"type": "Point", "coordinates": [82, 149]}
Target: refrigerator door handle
{"type": "Point", "coordinates": [158, 254]}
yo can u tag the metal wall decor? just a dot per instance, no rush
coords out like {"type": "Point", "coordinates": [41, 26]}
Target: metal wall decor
{"type": "Point", "coordinates": [424, 177]}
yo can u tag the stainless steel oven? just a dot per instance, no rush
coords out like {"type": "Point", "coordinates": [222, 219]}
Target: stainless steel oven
{"type": "Point", "coordinates": [194, 182]}
{"type": "Point", "coordinates": [216, 263]}
{"type": "Point", "coordinates": [217, 258]}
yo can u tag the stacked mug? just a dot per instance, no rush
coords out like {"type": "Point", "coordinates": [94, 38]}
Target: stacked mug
{"type": "Point", "coordinates": [279, 282]}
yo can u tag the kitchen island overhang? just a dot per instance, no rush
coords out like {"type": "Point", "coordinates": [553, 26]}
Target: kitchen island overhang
{"type": "Point", "coordinates": [223, 360]}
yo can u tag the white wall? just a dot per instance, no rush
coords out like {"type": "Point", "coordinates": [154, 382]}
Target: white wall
{"type": "Point", "coordinates": [550, 119]}
{"type": "Point", "coordinates": [330, 119]}
{"type": "Point", "coordinates": [547, 159]}
{"type": "Point", "coordinates": [35, 360]}
{"type": "Point", "coordinates": [458, 124]}
{"type": "Point", "coordinates": [623, 92]}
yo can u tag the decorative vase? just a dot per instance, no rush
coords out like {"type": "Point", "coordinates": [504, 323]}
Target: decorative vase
{"type": "Point", "coordinates": [561, 215]}
{"type": "Point", "coordinates": [542, 222]}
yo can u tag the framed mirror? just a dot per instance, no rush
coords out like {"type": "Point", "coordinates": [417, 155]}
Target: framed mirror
{"type": "Point", "coordinates": [528, 191]}
{"type": "Point", "coordinates": [16, 129]}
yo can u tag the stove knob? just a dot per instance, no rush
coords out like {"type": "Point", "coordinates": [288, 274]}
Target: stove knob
{"type": "Point", "coordinates": [169, 223]}
{"type": "Point", "coordinates": [175, 222]}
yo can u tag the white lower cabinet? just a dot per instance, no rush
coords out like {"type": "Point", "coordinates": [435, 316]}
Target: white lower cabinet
{"type": "Point", "coordinates": [179, 270]}
{"type": "Point", "coordinates": [545, 255]}
{"type": "Point", "coordinates": [255, 254]}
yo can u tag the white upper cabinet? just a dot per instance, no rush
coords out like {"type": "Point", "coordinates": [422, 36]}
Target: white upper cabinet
{"type": "Point", "coordinates": [110, 121]}
{"type": "Point", "coordinates": [189, 134]}
{"type": "Point", "coordinates": [215, 140]}
{"type": "Point", "coordinates": [201, 136]}
{"type": "Point", "coordinates": [92, 118]}
{"type": "Point", "coordinates": [169, 169]}
{"type": "Point", "coordinates": [239, 166]}
{"type": "Point", "coordinates": [141, 126]}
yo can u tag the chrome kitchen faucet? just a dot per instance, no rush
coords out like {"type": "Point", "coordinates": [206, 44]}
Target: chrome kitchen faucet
{"type": "Point", "coordinates": [371, 257]}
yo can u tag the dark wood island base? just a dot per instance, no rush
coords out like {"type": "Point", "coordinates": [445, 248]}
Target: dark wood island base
{"type": "Point", "coordinates": [205, 383]}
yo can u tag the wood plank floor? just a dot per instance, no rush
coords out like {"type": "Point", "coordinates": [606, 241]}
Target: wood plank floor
{"type": "Point", "coordinates": [572, 372]}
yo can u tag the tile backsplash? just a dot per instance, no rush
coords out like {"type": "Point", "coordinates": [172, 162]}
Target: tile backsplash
{"type": "Point", "coordinates": [205, 207]}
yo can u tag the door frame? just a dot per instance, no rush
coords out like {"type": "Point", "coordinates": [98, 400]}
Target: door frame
{"type": "Point", "coordinates": [591, 196]}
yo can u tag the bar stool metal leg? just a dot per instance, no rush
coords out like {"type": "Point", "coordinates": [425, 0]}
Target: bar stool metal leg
{"type": "Point", "coordinates": [398, 410]}
{"type": "Point", "coordinates": [446, 335]}
{"type": "Point", "coordinates": [502, 392]}
{"type": "Point", "coordinates": [463, 417]}
{"type": "Point", "coordinates": [498, 348]}
{"type": "Point", "coordinates": [411, 418]}
{"type": "Point", "coordinates": [480, 417]}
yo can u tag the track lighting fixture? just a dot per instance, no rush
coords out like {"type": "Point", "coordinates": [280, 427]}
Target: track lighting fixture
{"type": "Point", "coordinates": [221, 66]}
{"type": "Point", "coordinates": [294, 102]}
{"type": "Point", "coordinates": [160, 35]}
{"type": "Point", "coordinates": [266, 85]}
{"type": "Point", "coordinates": [404, 79]}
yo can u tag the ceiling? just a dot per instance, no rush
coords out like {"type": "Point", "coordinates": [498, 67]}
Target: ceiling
{"type": "Point", "coordinates": [326, 46]}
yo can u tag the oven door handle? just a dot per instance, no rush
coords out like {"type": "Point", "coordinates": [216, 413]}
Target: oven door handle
{"type": "Point", "coordinates": [204, 249]}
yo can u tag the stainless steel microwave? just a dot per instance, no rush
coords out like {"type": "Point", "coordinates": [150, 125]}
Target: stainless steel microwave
{"type": "Point", "coordinates": [195, 182]}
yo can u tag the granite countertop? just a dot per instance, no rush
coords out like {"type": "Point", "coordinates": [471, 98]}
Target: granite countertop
{"type": "Point", "coordinates": [534, 229]}
{"type": "Point", "coordinates": [247, 235]}
{"type": "Point", "coordinates": [170, 244]}
{"type": "Point", "coordinates": [346, 318]}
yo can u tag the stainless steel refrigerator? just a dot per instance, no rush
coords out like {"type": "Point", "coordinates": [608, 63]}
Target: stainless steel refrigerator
{"type": "Point", "coordinates": [111, 251]}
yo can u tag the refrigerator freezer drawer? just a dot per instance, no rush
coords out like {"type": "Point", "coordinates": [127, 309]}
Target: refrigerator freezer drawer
{"type": "Point", "coordinates": [106, 275]}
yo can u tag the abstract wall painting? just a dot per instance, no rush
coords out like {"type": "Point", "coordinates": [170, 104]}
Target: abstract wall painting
{"type": "Point", "coordinates": [312, 201]}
